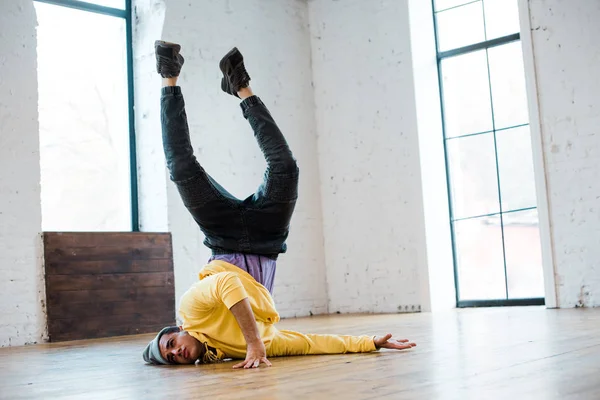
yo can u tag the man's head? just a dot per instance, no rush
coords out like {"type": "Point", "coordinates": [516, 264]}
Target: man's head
{"type": "Point", "coordinates": [173, 345]}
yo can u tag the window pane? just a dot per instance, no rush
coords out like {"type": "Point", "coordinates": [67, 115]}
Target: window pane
{"type": "Point", "coordinates": [444, 4]}
{"type": "Point", "coordinates": [473, 178]}
{"type": "Point", "coordinates": [508, 85]}
{"type": "Point", "coordinates": [501, 18]}
{"type": "Point", "coordinates": [466, 93]}
{"type": "Point", "coordinates": [460, 26]}
{"type": "Point", "coordinates": [515, 162]}
{"type": "Point", "coordinates": [84, 131]}
{"type": "Point", "coordinates": [480, 260]}
{"type": "Point", "coordinates": [523, 255]}
{"type": "Point", "coordinates": [109, 3]}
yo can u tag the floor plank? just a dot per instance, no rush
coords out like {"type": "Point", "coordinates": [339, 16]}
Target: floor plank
{"type": "Point", "coordinates": [503, 353]}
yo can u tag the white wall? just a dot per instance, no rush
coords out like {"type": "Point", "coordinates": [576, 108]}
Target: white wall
{"type": "Point", "coordinates": [368, 155]}
{"type": "Point", "coordinates": [149, 16]}
{"type": "Point", "coordinates": [273, 36]}
{"type": "Point", "coordinates": [22, 317]}
{"type": "Point", "coordinates": [567, 64]}
{"type": "Point", "coordinates": [437, 274]}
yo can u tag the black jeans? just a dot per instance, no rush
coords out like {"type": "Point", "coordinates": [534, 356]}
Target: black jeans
{"type": "Point", "coordinates": [260, 223]}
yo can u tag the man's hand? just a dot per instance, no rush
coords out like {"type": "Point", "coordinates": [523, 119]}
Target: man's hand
{"type": "Point", "coordinates": [255, 354]}
{"type": "Point", "coordinates": [386, 342]}
{"type": "Point", "coordinates": [255, 348]}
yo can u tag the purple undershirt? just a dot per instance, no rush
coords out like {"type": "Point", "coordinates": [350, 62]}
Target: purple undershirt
{"type": "Point", "coordinates": [260, 267]}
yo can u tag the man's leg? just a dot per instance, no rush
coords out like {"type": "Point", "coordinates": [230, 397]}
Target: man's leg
{"type": "Point", "coordinates": [281, 177]}
{"type": "Point", "coordinates": [270, 209]}
{"type": "Point", "coordinates": [273, 204]}
{"type": "Point", "coordinates": [214, 209]}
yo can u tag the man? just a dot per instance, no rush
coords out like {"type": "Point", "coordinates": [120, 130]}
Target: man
{"type": "Point", "coordinates": [248, 233]}
{"type": "Point", "coordinates": [230, 313]}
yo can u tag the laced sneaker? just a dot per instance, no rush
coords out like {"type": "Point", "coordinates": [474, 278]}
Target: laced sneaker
{"type": "Point", "coordinates": [235, 76]}
{"type": "Point", "coordinates": [168, 59]}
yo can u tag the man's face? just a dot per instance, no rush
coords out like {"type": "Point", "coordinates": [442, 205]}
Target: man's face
{"type": "Point", "coordinates": [180, 348]}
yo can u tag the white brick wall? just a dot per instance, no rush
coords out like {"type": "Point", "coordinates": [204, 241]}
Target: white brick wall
{"type": "Point", "coordinates": [567, 64]}
{"type": "Point", "coordinates": [22, 318]}
{"type": "Point", "coordinates": [368, 155]}
{"type": "Point", "coordinates": [273, 36]}
{"type": "Point", "coordinates": [152, 175]}
{"type": "Point", "coordinates": [438, 291]}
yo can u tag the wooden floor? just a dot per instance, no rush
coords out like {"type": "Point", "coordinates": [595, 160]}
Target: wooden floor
{"type": "Point", "coordinates": [507, 353]}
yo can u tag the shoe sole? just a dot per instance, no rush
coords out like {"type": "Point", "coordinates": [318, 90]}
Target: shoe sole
{"type": "Point", "coordinates": [168, 45]}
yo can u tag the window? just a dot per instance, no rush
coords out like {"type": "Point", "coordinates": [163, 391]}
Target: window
{"type": "Point", "coordinates": [496, 243]}
{"type": "Point", "coordinates": [87, 146]}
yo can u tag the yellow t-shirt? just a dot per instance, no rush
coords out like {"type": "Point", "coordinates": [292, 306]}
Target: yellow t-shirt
{"type": "Point", "coordinates": [204, 309]}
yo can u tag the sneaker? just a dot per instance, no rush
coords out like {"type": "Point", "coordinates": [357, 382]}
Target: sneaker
{"type": "Point", "coordinates": [168, 59]}
{"type": "Point", "coordinates": [235, 76]}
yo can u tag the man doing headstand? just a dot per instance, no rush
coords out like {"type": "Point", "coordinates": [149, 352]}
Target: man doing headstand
{"type": "Point", "coordinates": [229, 312]}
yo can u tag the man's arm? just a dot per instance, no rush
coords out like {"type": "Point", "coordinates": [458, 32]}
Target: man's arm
{"type": "Point", "coordinates": [255, 352]}
{"type": "Point", "coordinates": [289, 343]}
{"type": "Point", "coordinates": [231, 292]}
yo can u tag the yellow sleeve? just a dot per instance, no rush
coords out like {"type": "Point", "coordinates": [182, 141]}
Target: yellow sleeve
{"type": "Point", "coordinates": [229, 289]}
{"type": "Point", "coordinates": [224, 287]}
{"type": "Point", "coordinates": [289, 343]}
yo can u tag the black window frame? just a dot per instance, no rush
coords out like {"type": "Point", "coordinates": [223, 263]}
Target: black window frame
{"type": "Point", "coordinates": [441, 55]}
{"type": "Point", "coordinates": [125, 14]}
